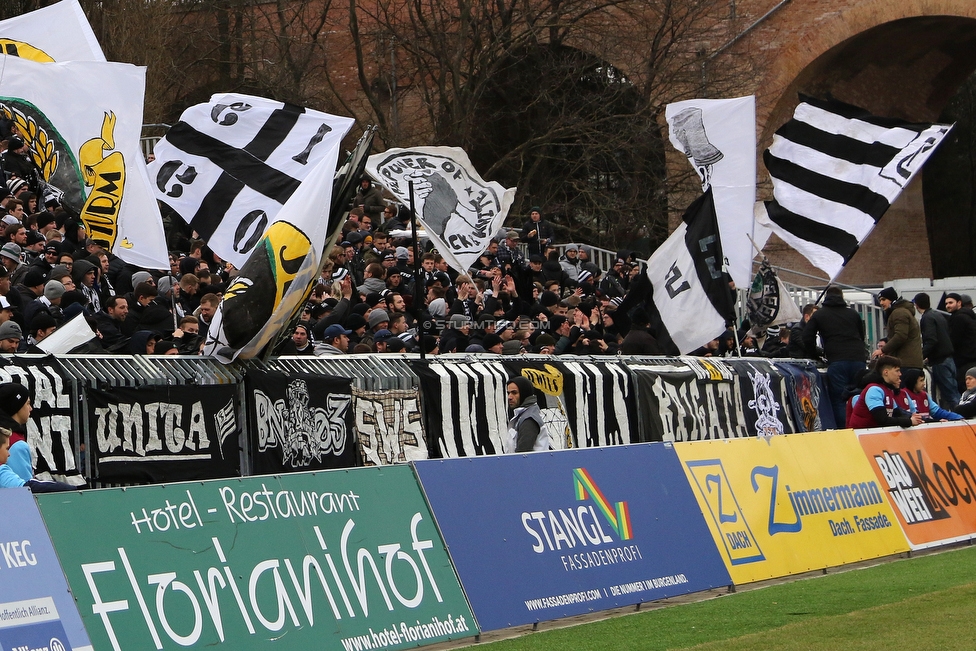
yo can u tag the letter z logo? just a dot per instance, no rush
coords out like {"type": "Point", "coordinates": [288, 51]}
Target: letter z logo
{"type": "Point", "coordinates": [715, 492]}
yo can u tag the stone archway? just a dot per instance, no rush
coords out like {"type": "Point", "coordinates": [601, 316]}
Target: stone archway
{"type": "Point", "coordinates": [900, 59]}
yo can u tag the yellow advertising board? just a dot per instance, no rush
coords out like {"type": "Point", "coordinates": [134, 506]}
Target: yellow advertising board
{"type": "Point", "coordinates": [790, 504]}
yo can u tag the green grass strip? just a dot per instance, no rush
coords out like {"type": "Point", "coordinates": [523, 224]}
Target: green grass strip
{"type": "Point", "coordinates": [760, 611]}
{"type": "Point", "coordinates": [938, 620]}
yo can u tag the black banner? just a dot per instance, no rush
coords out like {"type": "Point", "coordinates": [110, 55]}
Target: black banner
{"type": "Point", "coordinates": [808, 396]}
{"type": "Point", "coordinates": [765, 399]}
{"type": "Point", "coordinates": [689, 400]}
{"type": "Point", "coordinates": [299, 422]}
{"type": "Point", "coordinates": [164, 433]}
{"type": "Point", "coordinates": [51, 427]}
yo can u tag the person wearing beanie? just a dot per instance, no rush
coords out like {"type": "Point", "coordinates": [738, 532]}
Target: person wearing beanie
{"type": "Point", "coordinates": [537, 233]}
{"type": "Point", "coordinates": [48, 258]}
{"type": "Point", "coordinates": [10, 336]}
{"type": "Point", "coordinates": [49, 302]}
{"type": "Point", "coordinates": [378, 319]}
{"type": "Point", "coordinates": [570, 262]}
{"type": "Point", "coordinates": [526, 430]}
{"type": "Point", "coordinates": [32, 285]}
{"type": "Point", "coordinates": [962, 334]}
{"type": "Point", "coordinates": [492, 343]}
{"type": "Point", "coordinates": [967, 403]}
{"type": "Point", "coordinates": [902, 330]}
{"type": "Point", "coordinates": [16, 162]}
{"type": "Point", "coordinates": [841, 330]}
{"type": "Point", "coordinates": [545, 344]}
{"type": "Point", "coordinates": [142, 277]}
{"type": "Point", "coordinates": [15, 409]}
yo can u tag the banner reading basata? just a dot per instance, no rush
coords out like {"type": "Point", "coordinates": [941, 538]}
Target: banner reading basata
{"type": "Point", "coordinates": [36, 609]}
{"type": "Point", "coordinates": [928, 475]}
{"type": "Point", "coordinates": [546, 535]}
{"type": "Point", "coordinates": [337, 559]}
{"type": "Point", "coordinates": [790, 504]}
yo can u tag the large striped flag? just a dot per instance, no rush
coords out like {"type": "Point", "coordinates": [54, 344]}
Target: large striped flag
{"type": "Point", "coordinates": [684, 291]}
{"type": "Point", "coordinates": [274, 281]}
{"type": "Point", "coordinates": [229, 166]}
{"type": "Point", "coordinates": [836, 169]}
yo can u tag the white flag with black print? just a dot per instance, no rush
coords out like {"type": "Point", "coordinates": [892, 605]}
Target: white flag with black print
{"type": "Point", "coordinates": [836, 169]}
{"type": "Point", "coordinates": [59, 32]}
{"type": "Point", "coordinates": [228, 166]}
{"type": "Point", "coordinates": [685, 293]}
{"type": "Point", "coordinates": [719, 138]}
{"type": "Point", "coordinates": [459, 211]}
{"type": "Point", "coordinates": [273, 283]}
{"type": "Point", "coordinates": [89, 148]}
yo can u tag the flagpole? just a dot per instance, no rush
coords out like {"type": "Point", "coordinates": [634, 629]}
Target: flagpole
{"type": "Point", "coordinates": [417, 291]}
{"type": "Point", "coordinates": [830, 281]}
{"type": "Point", "coordinates": [172, 298]}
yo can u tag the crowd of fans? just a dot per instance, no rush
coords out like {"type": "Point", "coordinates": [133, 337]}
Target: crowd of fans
{"type": "Point", "coordinates": [522, 295]}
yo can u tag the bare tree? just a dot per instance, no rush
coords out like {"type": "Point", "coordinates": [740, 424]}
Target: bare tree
{"type": "Point", "coordinates": [563, 98]}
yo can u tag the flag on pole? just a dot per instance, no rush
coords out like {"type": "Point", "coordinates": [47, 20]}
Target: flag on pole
{"type": "Point", "coordinates": [719, 138]}
{"type": "Point", "coordinates": [228, 166]}
{"type": "Point", "coordinates": [59, 32]}
{"type": "Point", "coordinates": [343, 189]}
{"type": "Point", "coordinates": [460, 212]}
{"type": "Point", "coordinates": [88, 147]}
{"type": "Point", "coordinates": [769, 300]}
{"type": "Point", "coordinates": [836, 169]}
{"type": "Point", "coordinates": [274, 280]}
{"type": "Point", "coordinates": [685, 293]}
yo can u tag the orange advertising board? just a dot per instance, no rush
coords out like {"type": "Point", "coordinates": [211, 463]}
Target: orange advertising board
{"type": "Point", "coordinates": [929, 474]}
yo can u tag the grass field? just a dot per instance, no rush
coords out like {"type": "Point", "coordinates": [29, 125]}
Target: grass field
{"type": "Point", "coordinates": [926, 602]}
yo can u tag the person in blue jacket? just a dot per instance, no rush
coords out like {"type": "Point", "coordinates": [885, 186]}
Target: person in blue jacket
{"type": "Point", "coordinates": [16, 470]}
{"type": "Point", "coordinates": [914, 389]}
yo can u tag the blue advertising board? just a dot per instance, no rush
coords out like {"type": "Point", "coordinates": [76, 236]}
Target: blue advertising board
{"type": "Point", "coordinates": [36, 609]}
{"type": "Point", "coordinates": [547, 535]}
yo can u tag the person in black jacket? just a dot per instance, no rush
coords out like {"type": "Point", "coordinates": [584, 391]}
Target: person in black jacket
{"type": "Point", "coordinates": [962, 333]}
{"type": "Point", "coordinates": [16, 162]}
{"type": "Point", "coordinates": [842, 332]}
{"type": "Point", "coordinates": [937, 348]}
{"type": "Point", "coordinates": [537, 233]}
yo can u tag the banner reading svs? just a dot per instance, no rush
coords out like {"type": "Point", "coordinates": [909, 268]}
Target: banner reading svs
{"type": "Point", "coordinates": [541, 536]}
{"type": "Point", "coordinates": [790, 504]}
{"type": "Point", "coordinates": [928, 475]}
{"type": "Point", "coordinates": [335, 559]}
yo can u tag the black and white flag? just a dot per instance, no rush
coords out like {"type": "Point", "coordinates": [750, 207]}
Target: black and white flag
{"type": "Point", "coordinates": [836, 169]}
{"type": "Point", "coordinates": [685, 292]}
{"type": "Point", "coordinates": [769, 300]}
{"type": "Point", "coordinates": [459, 210]}
{"type": "Point", "coordinates": [228, 166]}
{"type": "Point", "coordinates": [719, 138]}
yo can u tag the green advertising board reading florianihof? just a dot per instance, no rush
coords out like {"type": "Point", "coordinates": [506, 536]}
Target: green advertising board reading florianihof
{"type": "Point", "coordinates": [342, 559]}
